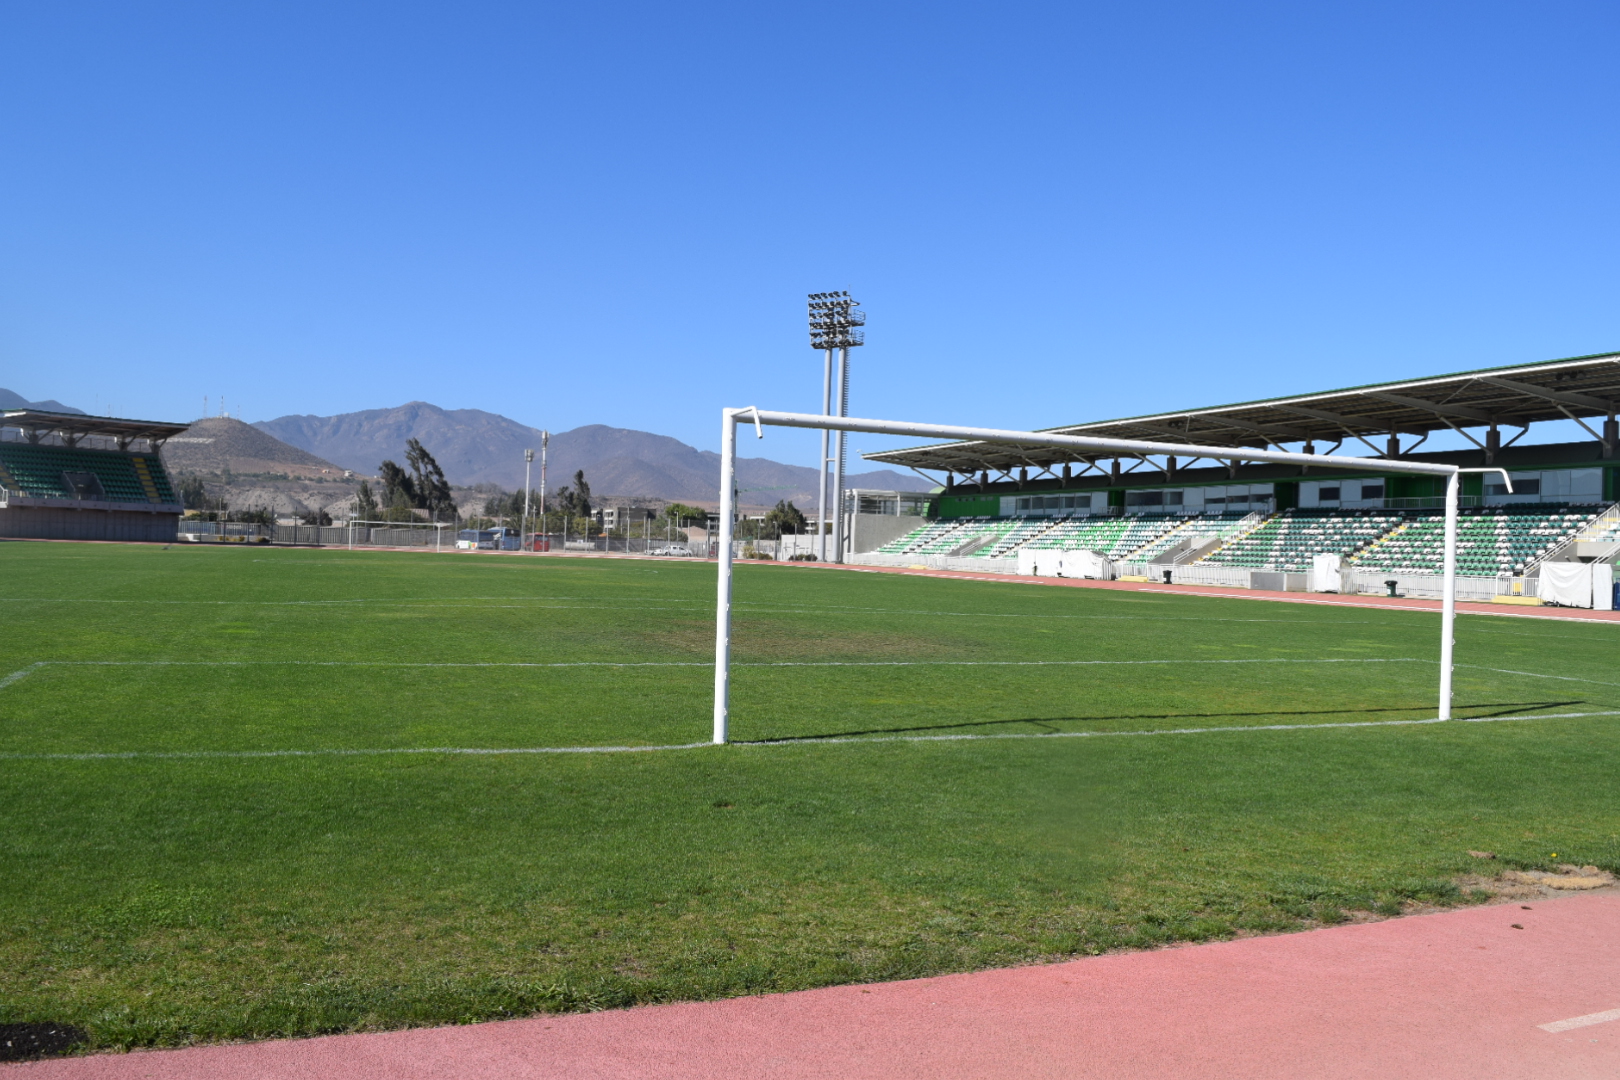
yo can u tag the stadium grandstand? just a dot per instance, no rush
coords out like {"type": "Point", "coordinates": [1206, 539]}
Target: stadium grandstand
{"type": "Point", "coordinates": [1273, 526]}
{"type": "Point", "coordinates": [66, 476]}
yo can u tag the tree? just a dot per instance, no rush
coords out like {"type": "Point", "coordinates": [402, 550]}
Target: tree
{"type": "Point", "coordinates": [316, 517]}
{"type": "Point", "coordinates": [575, 501]}
{"type": "Point", "coordinates": [423, 488]}
{"type": "Point", "coordinates": [428, 482]}
{"type": "Point", "coordinates": [681, 513]}
{"type": "Point", "coordinates": [784, 518]}
{"type": "Point", "coordinates": [398, 487]}
{"type": "Point", "coordinates": [365, 503]}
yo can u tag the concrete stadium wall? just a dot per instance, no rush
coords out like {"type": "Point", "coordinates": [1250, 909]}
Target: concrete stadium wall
{"type": "Point", "coordinates": [53, 523]}
{"type": "Point", "coordinates": [868, 532]}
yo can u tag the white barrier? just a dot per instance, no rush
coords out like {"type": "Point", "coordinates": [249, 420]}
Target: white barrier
{"type": "Point", "coordinates": [1425, 586]}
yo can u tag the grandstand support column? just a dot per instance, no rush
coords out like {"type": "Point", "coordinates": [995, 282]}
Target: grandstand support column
{"type": "Point", "coordinates": [1611, 437]}
{"type": "Point", "coordinates": [722, 614]}
{"type": "Point", "coordinates": [1448, 595]}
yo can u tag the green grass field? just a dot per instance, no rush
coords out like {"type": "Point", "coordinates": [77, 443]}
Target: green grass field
{"type": "Point", "coordinates": [168, 875]}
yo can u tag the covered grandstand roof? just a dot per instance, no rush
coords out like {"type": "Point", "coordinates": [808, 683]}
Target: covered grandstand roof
{"type": "Point", "coordinates": [72, 426]}
{"type": "Point", "coordinates": [1579, 388]}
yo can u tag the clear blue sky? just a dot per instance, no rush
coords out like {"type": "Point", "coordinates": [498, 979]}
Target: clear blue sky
{"type": "Point", "coordinates": [611, 212]}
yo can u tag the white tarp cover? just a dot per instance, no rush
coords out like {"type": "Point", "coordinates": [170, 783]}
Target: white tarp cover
{"type": "Point", "coordinates": [1049, 562]}
{"type": "Point", "coordinates": [1566, 583]}
{"type": "Point", "coordinates": [1325, 572]}
{"type": "Point", "coordinates": [1603, 586]}
{"type": "Point", "coordinates": [1093, 565]}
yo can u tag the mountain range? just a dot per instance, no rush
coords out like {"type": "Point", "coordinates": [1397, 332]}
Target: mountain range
{"type": "Point", "coordinates": [10, 400]}
{"type": "Point", "coordinates": [473, 447]}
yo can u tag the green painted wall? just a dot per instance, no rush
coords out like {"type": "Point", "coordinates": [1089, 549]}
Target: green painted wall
{"type": "Point", "coordinates": [1287, 491]}
{"type": "Point", "coordinates": [1414, 487]}
{"type": "Point", "coordinates": [954, 506]}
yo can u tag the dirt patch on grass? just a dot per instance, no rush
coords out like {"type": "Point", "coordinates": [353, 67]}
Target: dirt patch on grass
{"type": "Point", "coordinates": [30, 1042]}
{"type": "Point", "coordinates": [1511, 885]}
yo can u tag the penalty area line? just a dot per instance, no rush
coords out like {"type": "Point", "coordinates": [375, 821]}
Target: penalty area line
{"type": "Point", "coordinates": [810, 740]}
{"type": "Point", "coordinates": [23, 674]}
{"type": "Point", "coordinates": [1168, 731]}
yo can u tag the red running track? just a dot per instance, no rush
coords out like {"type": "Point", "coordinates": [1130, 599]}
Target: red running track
{"type": "Point", "coordinates": [1452, 995]}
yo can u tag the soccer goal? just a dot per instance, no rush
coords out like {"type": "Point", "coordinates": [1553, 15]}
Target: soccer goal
{"type": "Point", "coordinates": [760, 419]}
{"type": "Point", "coordinates": [392, 534]}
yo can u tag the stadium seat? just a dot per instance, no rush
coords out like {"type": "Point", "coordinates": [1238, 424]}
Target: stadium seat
{"type": "Point", "coordinates": [42, 472]}
{"type": "Point", "coordinates": [1290, 539]}
{"type": "Point", "coordinates": [1490, 541]}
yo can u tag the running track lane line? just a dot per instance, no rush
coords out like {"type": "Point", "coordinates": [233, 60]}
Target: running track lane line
{"type": "Point", "coordinates": [814, 740]}
{"type": "Point", "coordinates": [1455, 995]}
{"type": "Point", "coordinates": [1580, 1021]}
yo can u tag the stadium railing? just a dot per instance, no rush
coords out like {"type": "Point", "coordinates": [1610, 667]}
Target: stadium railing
{"type": "Point", "coordinates": [1430, 586]}
{"type": "Point", "coordinates": [962, 563]}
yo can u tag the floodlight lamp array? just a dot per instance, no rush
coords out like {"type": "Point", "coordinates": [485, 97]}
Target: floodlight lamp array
{"type": "Point", "coordinates": [834, 320]}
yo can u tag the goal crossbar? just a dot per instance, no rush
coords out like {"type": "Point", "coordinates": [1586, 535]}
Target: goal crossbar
{"type": "Point", "coordinates": [760, 419]}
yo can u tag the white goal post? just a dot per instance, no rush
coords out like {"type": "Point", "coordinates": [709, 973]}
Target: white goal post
{"type": "Point", "coordinates": [730, 418]}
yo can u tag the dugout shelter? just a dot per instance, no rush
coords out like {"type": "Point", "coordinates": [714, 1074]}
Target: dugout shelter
{"type": "Point", "coordinates": [66, 476]}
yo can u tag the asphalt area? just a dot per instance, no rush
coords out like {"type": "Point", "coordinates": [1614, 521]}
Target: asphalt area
{"type": "Point", "coordinates": [1526, 988]}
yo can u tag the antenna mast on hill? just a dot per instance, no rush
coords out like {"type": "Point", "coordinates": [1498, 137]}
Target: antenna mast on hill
{"type": "Point", "coordinates": [834, 324]}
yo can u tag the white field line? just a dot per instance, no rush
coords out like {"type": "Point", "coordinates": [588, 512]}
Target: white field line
{"type": "Point", "coordinates": [118, 755]}
{"type": "Point", "coordinates": [1580, 1021]}
{"type": "Point", "coordinates": [1169, 731]}
{"type": "Point", "coordinates": [16, 675]}
{"type": "Point", "coordinates": [23, 674]}
{"type": "Point", "coordinates": [483, 602]}
{"type": "Point", "coordinates": [1536, 675]}
{"type": "Point", "coordinates": [1383, 607]}
{"type": "Point", "coordinates": [702, 663]}
{"type": "Point", "coordinates": [818, 740]}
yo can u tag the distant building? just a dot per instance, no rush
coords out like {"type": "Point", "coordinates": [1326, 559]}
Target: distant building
{"type": "Point", "coordinates": [619, 517]}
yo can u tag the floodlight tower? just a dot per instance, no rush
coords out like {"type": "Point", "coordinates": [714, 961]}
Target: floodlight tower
{"type": "Point", "coordinates": [834, 324]}
{"type": "Point", "coordinates": [528, 463]}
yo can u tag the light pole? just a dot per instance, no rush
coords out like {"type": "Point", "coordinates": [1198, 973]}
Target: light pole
{"type": "Point", "coordinates": [528, 463]}
{"type": "Point", "coordinates": [545, 439]}
{"type": "Point", "coordinates": [834, 324]}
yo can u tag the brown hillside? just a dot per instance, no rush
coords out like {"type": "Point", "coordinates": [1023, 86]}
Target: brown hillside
{"type": "Point", "coordinates": [216, 444]}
